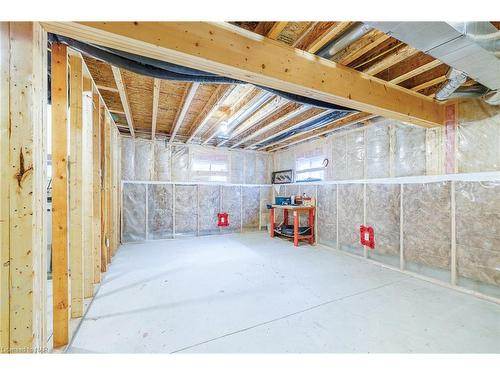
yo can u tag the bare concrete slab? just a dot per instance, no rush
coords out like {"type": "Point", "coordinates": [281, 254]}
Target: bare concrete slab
{"type": "Point", "coordinates": [248, 293]}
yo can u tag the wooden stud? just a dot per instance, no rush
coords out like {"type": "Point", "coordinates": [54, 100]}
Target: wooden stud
{"type": "Point", "coordinates": [107, 187]}
{"type": "Point", "coordinates": [96, 192]}
{"type": "Point", "coordinates": [187, 98]}
{"type": "Point", "coordinates": [104, 228]}
{"type": "Point", "coordinates": [225, 49]}
{"type": "Point", "coordinates": [87, 190]}
{"type": "Point", "coordinates": [156, 102]}
{"type": "Point", "coordinates": [124, 98]}
{"type": "Point", "coordinates": [4, 187]}
{"type": "Point", "coordinates": [60, 196]}
{"type": "Point", "coordinates": [75, 187]}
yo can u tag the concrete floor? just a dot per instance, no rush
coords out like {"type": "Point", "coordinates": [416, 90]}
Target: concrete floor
{"type": "Point", "coordinates": [247, 293]}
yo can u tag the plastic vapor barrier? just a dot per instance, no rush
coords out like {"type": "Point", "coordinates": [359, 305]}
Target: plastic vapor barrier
{"type": "Point", "coordinates": [377, 151]}
{"type": "Point", "coordinates": [208, 208]}
{"type": "Point", "coordinates": [161, 161]}
{"type": "Point", "coordinates": [327, 214]}
{"type": "Point", "coordinates": [231, 203]}
{"type": "Point", "coordinates": [409, 151]}
{"type": "Point", "coordinates": [383, 215]}
{"type": "Point", "coordinates": [160, 204]}
{"type": "Point", "coordinates": [186, 209]}
{"type": "Point", "coordinates": [128, 159]}
{"type": "Point", "coordinates": [478, 234]}
{"type": "Point", "coordinates": [426, 228]}
{"type": "Point", "coordinates": [143, 162]}
{"type": "Point", "coordinates": [180, 163]}
{"type": "Point", "coordinates": [134, 212]}
{"type": "Point", "coordinates": [266, 197]}
{"type": "Point", "coordinates": [250, 206]}
{"type": "Point", "coordinates": [350, 217]}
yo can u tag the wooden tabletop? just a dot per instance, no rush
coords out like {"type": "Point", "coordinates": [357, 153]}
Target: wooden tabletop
{"type": "Point", "coordinates": [291, 207]}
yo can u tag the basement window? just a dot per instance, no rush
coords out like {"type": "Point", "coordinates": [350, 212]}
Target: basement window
{"type": "Point", "coordinates": [209, 168]}
{"type": "Point", "coordinates": [309, 165]}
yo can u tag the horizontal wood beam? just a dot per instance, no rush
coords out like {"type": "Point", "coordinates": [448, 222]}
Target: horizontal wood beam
{"type": "Point", "coordinates": [276, 30]}
{"type": "Point", "coordinates": [227, 50]}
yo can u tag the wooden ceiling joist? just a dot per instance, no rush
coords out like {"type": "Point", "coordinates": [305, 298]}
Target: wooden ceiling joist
{"type": "Point", "coordinates": [156, 102]}
{"type": "Point", "coordinates": [415, 72]}
{"type": "Point", "coordinates": [123, 97]}
{"type": "Point", "coordinates": [290, 128]}
{"type": "Point", "coordinates": [187, 98]}
{"type": "Point", "coordinates": [225, 49]}
{"type": "Point", "coordinates": [276, 30]}
{"type": "Point", "coordinates": [243, 105]}
{"type": "Point", "coordinates": [272, 125]}
{"type": "Point", "coordinates": [261, 113]}
{"type": "Point", "coordinates": [393, 58]}
{"type": "Point", "coordinates": [362, 46]}
{"type": "Point", "coordinates": [324, 130]}
{"type": "Point", "coordinates": [333, 32]}
{"type": "Point", "coordinates": [215, 101]}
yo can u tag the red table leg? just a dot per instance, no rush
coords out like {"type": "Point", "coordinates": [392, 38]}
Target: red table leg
{"type": "Point", "coordinates": [295, 228]}
{"type": "Point", "coordinates": [311, 225]}
{"type": "Point", "coordinates": [271, 221]}
{"type": "Point", "coordinates": [285, 217]}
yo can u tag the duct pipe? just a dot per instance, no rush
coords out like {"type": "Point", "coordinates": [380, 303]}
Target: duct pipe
{"type": "Point", "coordinates": [456, 78]}
{"type": "Point", "coordinates": [355, 32]}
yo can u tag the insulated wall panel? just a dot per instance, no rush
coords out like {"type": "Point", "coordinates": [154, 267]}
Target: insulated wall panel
{"type": "Point", "coordinates": [355, 157]}
{"type": "Point", "coordinates": [478, 137]}
{"type": "Point", "coordinates": [327, 214]}
{"type": "Point", "coordinates": [128, 159]}
{"type": "Point", "coordinates": [134, 212]}
{"type": "Point", "coordinates": [427, 229]}
{"type": "Point", "coordinates": [350, 213]}
{"type": "Point", "coordinates": [162, 161]}
{"type": "Point", "coordinates": [262, 170]}
{"type": "Point", "coordinates": [377, 151]}
{"type": "Point", "coordinates": [143, 162]}
{"type": "Point", "coordinates": [231, 203]}
{"type": "Point", "coordinates": [250, 176]}
{"type": "Point", "coordinates": [160, 220]}
{"type": "Point", "coordinates": [478, 235]}
{"type": "Point", "coordinates": [339, 158]}
{"type": "Point", "coordinates": [180, 163]}
{"type": "Point", "coordinates": [209, 207]}
{"type": "Point", "coordinates": [309, 191]}
{"type": "Point", "coordinates": [237, 168]}
{"type": "Point", "coordinates": [251, 200]}
{"type": "Point", "coordinates": [186, 210]}
{"type": "Point", "coordinates": [383, 213]}
{"type": "Point", "coordinates": [409, 157]}
{"type": "Point", "coordinates": [266, 197]}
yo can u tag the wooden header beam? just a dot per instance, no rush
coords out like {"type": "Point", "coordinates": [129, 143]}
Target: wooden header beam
{"type": "Point", "coordinates": [227, 50]}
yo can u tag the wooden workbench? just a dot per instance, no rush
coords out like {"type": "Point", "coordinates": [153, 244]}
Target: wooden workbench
{"type": "Point", "coordinates": [297, 210]}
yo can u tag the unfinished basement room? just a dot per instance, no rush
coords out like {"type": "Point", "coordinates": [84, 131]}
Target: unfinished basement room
{"type": "Point", "coordinates": [250, 187]}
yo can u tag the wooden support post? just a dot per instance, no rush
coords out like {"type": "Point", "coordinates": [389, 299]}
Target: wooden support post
{"type": "Point", "coordinates": [4, 186]}
{"type": "Point", "coordinates": [96, 191]}
{"type": "Point", "coordinates": [76, 182]}
{"type": "Point", "coordinates": [87, 187]}
{"type": "Point", "coordinates": [107, 185]}
{"type": "Point", "coordinates": [60, 196]}
{"type": "Point", "coordinates": [104, 246]}
{"type": "Point", "coordinates": [23, 204]}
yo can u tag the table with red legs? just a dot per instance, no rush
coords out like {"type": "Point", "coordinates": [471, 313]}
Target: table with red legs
{"type": "Point", "coordinates": [296, 211]}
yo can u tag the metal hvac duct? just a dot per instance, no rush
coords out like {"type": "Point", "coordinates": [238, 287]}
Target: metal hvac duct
{"type": "Point", "coordinates": [470, 47]}
{"type": "Point", "coordinates": [336, 45]}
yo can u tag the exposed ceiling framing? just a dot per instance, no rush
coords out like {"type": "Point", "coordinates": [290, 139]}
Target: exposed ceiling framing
{"type": "Point", "coordinates": [193, 112]}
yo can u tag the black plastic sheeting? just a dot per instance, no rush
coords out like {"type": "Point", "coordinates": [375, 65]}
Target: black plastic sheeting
{"type": "Point", "coordinates": [310, 125]}
{"type": "Point", "coordinates": [167, 71]}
